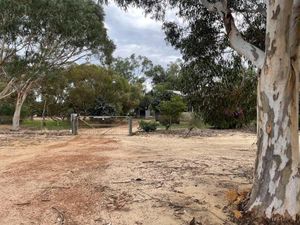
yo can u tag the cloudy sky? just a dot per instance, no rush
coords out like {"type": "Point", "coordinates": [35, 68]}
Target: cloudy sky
{"type": "Point", "coordinates": [132, 32]}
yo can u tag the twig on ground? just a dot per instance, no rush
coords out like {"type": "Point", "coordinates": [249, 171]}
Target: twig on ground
{"type": "Point", "coordinates": [23, 203]}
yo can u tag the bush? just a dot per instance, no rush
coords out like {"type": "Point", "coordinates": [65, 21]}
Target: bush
{"type": "Point", "coordinates": [171, 110]}
{"type": "Point", "coordinates": [148, 126]}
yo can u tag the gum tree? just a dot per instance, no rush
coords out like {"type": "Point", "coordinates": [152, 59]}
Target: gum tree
{"type": "Point", "coordinates": [276, 187]}
{"type": "Point", "coordinates": [7, 89]}
{"type": "Point", "coordinates": [37, 36]}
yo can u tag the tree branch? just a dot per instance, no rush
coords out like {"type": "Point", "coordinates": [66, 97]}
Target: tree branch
{"type": "Point", "coordinates": [244, 48]}
{"type": "Point", "coordinates": [8, 90]}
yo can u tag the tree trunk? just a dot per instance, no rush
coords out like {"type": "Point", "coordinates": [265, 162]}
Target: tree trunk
{"type": "Point", "coordinates": [276, 188]}
{"type": "Point", "coordinates": [17, 113]}
{"type": "Point", "coordinates": [44, 114]}
{"type": "Point", "coordinates": [22, 94]}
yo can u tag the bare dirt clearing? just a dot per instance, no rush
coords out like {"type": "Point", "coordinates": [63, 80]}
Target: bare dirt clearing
{"type": "Point", "coordinates": [116, 179]}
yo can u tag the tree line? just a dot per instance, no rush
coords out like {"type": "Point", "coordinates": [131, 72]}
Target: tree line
{"type": "Point", "coordinates": [39, 74]}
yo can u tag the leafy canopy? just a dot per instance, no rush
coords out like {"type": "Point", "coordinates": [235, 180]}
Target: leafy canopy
{"type": "Point", "coordinates": [43, 34]}
{"type": "Point", "coordinates": [91, 90]}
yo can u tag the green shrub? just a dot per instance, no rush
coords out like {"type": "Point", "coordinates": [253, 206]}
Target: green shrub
{"type": "Point", "coordinates": [148, 126]}
{"type": "Point", "coordinates": [171, 110]}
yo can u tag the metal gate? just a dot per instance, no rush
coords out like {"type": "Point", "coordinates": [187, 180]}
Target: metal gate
{"type": "Point", "coordinates": [103, 125]}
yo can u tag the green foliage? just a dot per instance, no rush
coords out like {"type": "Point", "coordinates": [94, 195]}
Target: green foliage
{"type": "Point", "coordinates": [221, 92]}
{"type": "Point", "coordinates": [7, 110]}
{"type": "Point", "coordinates": [89, 90]}
{"type": "Point", "coordinates": [167, 77]}
{"type": "Point", "coordinates": [202, 34]}
{"type": "Point", "coordinates": [148, 126]}
{"type": "Point", "coordinates": [38, 36]}
{"type": "Point", "coordinates": [103, 108]}
{"type": "Point", "coordinates": [132, 68]}
{"type": "Point", "coordinates": [160, 93]}
{"type": "Point", "coordinates": [165, 82]}
{"type": "Point", "coordinates": [224, 95]}
{"type": "Point", "coordinates": [65, 26]}
{"type": "Point", "coordinates": [171, 110]}
{"type": "Point", "coordinates": [41, 35]}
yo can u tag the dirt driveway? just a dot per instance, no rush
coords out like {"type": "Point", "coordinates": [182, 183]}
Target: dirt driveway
{"type": "Point", "coordinates": [119, 180]}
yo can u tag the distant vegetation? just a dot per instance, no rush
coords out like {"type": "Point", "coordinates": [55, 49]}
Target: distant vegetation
{"type": "Point", "coordinates": [148, 126]}
{"type": "Point", "coordinates": [51, 85]}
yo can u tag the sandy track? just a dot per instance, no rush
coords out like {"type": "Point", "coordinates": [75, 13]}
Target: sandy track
{"type": "Point", "coordinates": [116, 179]}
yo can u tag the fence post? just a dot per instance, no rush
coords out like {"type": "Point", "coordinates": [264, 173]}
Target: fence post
{"type": "Point", "coordinates": [130, 125]}
{"type": "Point", "coordinates": [74, 123]}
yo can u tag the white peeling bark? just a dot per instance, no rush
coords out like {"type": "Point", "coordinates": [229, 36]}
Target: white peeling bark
{"type": "Point", "coordinates": [276, 187]}
{"type": "Point", "coordinates": [17, 114]}
{"type": "Point", "coordinates": [244, 48]}
{"type": "Point", "coordinates": [21, 97]}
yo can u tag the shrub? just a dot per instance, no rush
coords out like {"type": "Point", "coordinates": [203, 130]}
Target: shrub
{"type": "Point", "coordinates": [171, 110]}
{"type": "Point", "coordinates": [148, 126]}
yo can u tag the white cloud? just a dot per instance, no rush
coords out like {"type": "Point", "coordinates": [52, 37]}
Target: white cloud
{"type": "Point", "coordinates": [133, 32]}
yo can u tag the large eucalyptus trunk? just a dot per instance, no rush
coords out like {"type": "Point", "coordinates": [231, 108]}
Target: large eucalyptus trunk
{"type": "Point", "coordinates": [276, 188]}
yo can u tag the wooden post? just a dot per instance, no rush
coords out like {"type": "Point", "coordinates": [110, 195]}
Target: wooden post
{"type": "Point", "coordinates": [130, 126]}
{"type": "Point", "coordinates": [74, 123]}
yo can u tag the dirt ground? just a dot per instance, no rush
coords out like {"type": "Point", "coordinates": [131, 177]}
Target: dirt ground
{"type": "Point", "coordinates": [114, 179]}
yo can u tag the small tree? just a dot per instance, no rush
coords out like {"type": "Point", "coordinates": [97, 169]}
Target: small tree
{"type": "Point", "coordinates": [171, 110]}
